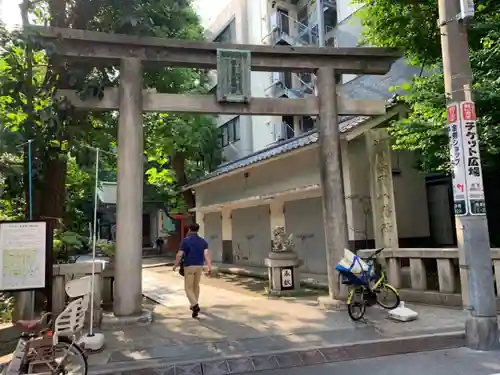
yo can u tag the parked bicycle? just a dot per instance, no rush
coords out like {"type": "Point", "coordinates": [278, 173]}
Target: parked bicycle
{"type": "Point", "coordinates": [368, 287]}
{"type": "Point", "coordinates": [53, 349]}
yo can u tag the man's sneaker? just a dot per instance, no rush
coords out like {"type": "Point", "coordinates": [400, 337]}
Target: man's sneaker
{"type": "Point", "coordinates": [196, 311]}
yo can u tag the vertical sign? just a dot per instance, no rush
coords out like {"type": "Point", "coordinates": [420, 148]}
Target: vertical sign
{"type": "Point", "coordinates": [474, 178]}
{"type": "Point", "coordinates": [457, 160]}
{"type": "Point", "coordinates": [287, 281]}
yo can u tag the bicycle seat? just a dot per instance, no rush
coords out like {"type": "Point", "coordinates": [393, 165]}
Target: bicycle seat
{"type": "Point", "coordinates": [29, 325]}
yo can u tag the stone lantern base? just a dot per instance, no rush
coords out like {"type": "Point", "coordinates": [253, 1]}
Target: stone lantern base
{"type": "Point", "coordinates": [284, 277]}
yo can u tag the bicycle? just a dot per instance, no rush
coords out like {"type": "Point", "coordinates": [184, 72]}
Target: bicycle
{"type": "Point", "coordinates": [38, 347]}
{"type": "Point", "coordinates": [366, 290]}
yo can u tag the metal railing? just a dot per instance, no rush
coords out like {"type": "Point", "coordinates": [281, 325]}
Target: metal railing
{"type": "Point", "coordinates": [291, 31]}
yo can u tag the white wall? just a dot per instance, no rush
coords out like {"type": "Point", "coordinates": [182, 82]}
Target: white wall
{"type": "Point", "coordinates": [345, 8]}
{"type": "Point", "coordinates": [302, 169]}
{"type": "Point", "coordinates": [258, 27]}
{"type": "Point", "coordinates": [251, 24]}
{"type": "Point", "coordinates": [348, 30]}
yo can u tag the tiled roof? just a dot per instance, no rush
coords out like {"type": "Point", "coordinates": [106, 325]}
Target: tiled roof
{"type": "Point", "coordinates": [379, 87]}
{"type": "Point", "coordinates": [347, 123]}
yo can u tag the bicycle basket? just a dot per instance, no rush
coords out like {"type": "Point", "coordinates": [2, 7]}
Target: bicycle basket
{"type": "Point", "coordinates": [349, 278]}
{"type": "Point", "coordinates": [353, 271]}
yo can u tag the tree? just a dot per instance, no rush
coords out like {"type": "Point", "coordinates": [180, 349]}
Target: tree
{"type": "Point", "coordinates": [412, 26]}
{"type": "Point", "coordinates": [406, 24]}
{"type": "Point", "coordinates": [180, 146]}
{"type": "Point", "coordinates": [30, 77]}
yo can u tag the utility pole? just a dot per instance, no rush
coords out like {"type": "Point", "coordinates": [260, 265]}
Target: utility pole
{"type": "Point", "coordinates": [470, 215]}
{"type": "Point", "coordinates": [320, 15]}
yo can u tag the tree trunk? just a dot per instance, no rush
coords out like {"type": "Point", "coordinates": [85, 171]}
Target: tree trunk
{"type": "Point", "coordinates": [54, 190]}
{"type": "Point", "coordinates": [178, 165]}
{"type": "Point", "coordinates": [28, 107]}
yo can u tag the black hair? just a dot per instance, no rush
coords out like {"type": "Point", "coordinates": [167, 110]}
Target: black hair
{"type": "Point", "coordinates": [194, 227]}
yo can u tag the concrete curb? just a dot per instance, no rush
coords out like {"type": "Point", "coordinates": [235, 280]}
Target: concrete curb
{"type": "Point", "coordinates": [156, 265]}
{"type": "Point", "coordinates": [237, 364]}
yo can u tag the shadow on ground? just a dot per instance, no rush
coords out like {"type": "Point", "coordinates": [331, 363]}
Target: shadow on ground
{"type": "Point", "coordinates": [237, 319]}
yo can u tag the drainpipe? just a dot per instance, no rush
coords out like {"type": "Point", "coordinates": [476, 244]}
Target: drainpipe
{"type": "Point", "coordinates": [320, 15]}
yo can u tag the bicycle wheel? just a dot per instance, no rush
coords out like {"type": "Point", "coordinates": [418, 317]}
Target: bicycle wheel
{"type": "Point", "coordinates": [70, 358]}
{"type": "Point", "coordinates": [391, 298]}
{"type": "Point", "coordinates": [356, 308]}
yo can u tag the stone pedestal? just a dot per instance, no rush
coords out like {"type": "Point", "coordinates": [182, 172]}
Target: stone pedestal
{"type": "Point", "coordinates": [284, 276]}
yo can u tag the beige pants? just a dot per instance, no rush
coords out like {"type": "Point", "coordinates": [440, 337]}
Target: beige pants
{"type": "Point", "coordinates": [192, 276]}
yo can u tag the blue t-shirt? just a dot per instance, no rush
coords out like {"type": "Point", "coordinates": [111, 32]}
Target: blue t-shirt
{"type": "Point", "coordinates": [194, 247]}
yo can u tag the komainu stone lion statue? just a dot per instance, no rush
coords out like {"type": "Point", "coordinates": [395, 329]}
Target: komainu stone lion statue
{"type": "Point", "coordinates": [282, 242]}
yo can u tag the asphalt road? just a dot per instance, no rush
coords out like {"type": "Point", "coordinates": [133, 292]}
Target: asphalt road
{"type": "Point", "coordinates": [460, 361]}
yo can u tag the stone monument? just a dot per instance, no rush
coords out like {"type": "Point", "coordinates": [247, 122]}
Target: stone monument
{"type": "Point", "coordinates": [283, 263]}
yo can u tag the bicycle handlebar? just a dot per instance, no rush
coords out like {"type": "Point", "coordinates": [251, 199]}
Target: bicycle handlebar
{"type": "Point", "coordinates": [377, 252]}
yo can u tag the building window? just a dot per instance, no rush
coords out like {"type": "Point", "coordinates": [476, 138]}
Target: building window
{"type": "Point", "coordinates": [226, 35]}
{"type": "Point", "coordinates": [283, 20]}
{"type": "Point", "coordinates": [230, 132]}
{"type": "Point", "coordinates": [330, 18]}
{"type": "Point", "coordinates": [307, 124]}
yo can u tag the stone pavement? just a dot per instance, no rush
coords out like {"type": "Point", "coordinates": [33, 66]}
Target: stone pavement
{"type": "Point", "coordinates": [238, 320]}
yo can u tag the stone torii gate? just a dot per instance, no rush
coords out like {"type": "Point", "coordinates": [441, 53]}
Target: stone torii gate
{"type": "Point", "coordinates": [131, 100]}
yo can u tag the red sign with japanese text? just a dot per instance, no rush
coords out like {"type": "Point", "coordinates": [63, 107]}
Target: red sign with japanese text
{"type": "Point", "coordinates": [452, 113]}
{"type": "Point", "coordinates": [468, 111]}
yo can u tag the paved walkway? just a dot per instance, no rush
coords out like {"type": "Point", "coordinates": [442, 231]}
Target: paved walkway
{"type": "Point", "coordinates": [237, 319]}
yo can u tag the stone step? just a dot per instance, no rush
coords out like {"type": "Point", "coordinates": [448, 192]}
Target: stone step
{"type": "Point", "coordinates": [221, 363]}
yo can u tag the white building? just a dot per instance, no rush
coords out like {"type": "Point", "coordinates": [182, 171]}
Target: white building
{"type": "Point", "coordinates": [289, 22]}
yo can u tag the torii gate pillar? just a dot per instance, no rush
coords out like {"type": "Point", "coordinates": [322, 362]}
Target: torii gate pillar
{"type": "Point", "coordinates": [332, 185]}
{"type": "Point", "coordinates": [128, 263]}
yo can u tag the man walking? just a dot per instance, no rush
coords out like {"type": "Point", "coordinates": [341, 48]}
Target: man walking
{"type": "Point", "coordinates": [193, 254]}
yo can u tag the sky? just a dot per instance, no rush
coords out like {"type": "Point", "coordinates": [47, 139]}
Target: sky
{"type": "Point", "coordinates": [207, 9]}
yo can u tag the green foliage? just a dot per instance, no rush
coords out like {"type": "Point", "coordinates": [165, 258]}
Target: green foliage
{"type": "Point", "coordinates": [6, 307]}
{"type": "Point", "coordinates": [425, 130]}
{"type": "Point", "coordinates": [170, 137]}
{"type": "Point", "coordinates": [412, 25]}
{"type": "Point", "coordinates": [108, 248]}
{"type": "Point", "coordinates": [67, 244]}
{"type": "Point", "coordinates": [63, 164]}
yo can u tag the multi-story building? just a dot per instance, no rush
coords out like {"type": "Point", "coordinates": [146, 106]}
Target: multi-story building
{"type": "Point", "coordinates": [289, 22]}
{"type": "Point", "coordinates": [267, 22]}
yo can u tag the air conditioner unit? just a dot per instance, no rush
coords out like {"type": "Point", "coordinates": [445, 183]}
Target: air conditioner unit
{"type": "Point", "coordinates": [466, 10]}
{"type": "Point", "coordinates": [274, 22]}
{"type": "Point", "coordinates": [276, 77]}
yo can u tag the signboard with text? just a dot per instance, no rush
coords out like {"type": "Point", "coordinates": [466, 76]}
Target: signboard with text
{"type": "Point", "coordinates": [23, 255]}
{"type": "Point", "coordinates": [287, 282]}
{"type": "Point", "coordinates": [457, 160]}
{"type": "Point", "coordinates": [474, 180]}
